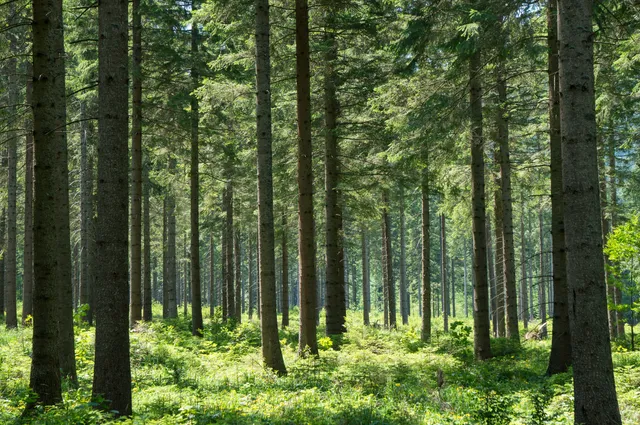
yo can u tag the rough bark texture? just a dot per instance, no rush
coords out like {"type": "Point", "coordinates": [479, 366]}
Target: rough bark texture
{"type": "Point", "coordinates": [135, 309]}
{"type": "Point", "coordinates": [425, 332]}
{"type": "Point", "coordinates": [306, 242]}
{"type": "Point", "coordinates": [49, 112]}
{"type": "Point", "coordinates": [491, 266]}
{"type": "Point", "coordinates": [196, 292]}
{"type": "Point", "coordinates": [86, 213]}
{"type": "Point", "coordinates": [443, 273]}
{"type": "Point", "coordinates": [3, 228]}
{"type": "Point", "coordinates": [335, 281]}
{"type": "Point", "coordinates": [171, 276]}
{"type": "Point", "coordinates": [481, 340]}
{"type": "Point", "coordinates": [212, 279]}
{"type": "Point", "coordinates": [617, 293]}
{"type": "Point", "coordinates": [271, 351]}
{"type": "Point", "coordinates": [509, 269]}
{"type": "Point", "coordinates": [237, 258]}
{"type": "Point", "coordinates": [11, 318]}
{"type": "Point", "coordinates": [228, 249]}
{"type": "Point", "coordinates": [27, 277]}
{"type": "Point", "coordinates": [595, 400]}
{"type": "Point", "coordinates": [560, 357]}
{"type": "Point", "coordinates": [112, 372]}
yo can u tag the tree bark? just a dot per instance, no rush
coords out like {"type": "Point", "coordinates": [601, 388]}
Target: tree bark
{"type": "Point", "coordinates": [112, 371]}
{"type": "Point", "coordinates": [366, 285]}
{"type": "Point", "coordinates": [617, 293]}
{"type": "Point", "coordinates": [27, 277]}
{"type": "Point", "coordinates": [306, 242]}
{"type": "Point", "coordinates": [425, 332]}
{"type": "Point", "coordinates": [135, 309]}
{"type": "Point", "coordinates": [237, 274]}
{"type": "Point", "coordinates": [443, 273]}
{"type": "Point", "coordinates": [50, 145]}
{"type": "Point", "coordinates": [271, 351]}
{"type": "Point", "coordinates": [404, 295]}
{"type": "Point", "coordinates": [388, 260]}
{"type": "Point", "coordinates": [500, 281]}
{"type": "Point", "coordinates": [147, 300]}
{"type": "Point", "coordinates": [171, 277]}
{"type": "Point", "coordinates": [481, 339]}
{"type": "Point", "coordinates": [285, 273]}
{"type": "Point", "coordinates": [523, 264]}
{"type": "Point", "coordinates": [595, 400]}
{"type": "Point", "coordinates": [492, 266]}
{"type": "Point", "coordinates": [196, 291]}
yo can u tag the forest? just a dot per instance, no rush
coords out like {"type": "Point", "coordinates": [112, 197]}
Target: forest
{"type": "Point", "coordinates": [327, 212]}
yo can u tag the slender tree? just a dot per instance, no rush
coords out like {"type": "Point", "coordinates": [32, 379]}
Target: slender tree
{"type": "Point", "coordinates": [27, 277]}
{"type": "Point", "coordinates": [306, 243]}
{"type": "Point", "coordinates": [147, 294]}
{"type": "Point", "coordinates": [443, 273]}
{"type": "Point", "coordinates": [425, 257]}
{"type": "Point", "coordinates": [271, 351]}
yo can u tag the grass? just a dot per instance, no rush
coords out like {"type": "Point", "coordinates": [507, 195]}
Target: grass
{"type": "Point", "coordinates": [377, 377]}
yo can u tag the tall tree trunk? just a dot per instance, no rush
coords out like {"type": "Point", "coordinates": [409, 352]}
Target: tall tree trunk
{"type": "Point", "coordinates": [523, 264]}
{"type": "Point", "coordinates": [86, 213]}
{"type": "Point", "coordinates": [10, 270]}
{"type": "Point", "coordinates": [112, 371]}
{"type": "Point", "coordinates": [3, 228]}
{"type": "Point", "coordinates": [224, 289]}
{"type": "Point", "coordinates": [228, 251]}
{"type": "Point", "coordinates": [165, 258]}
{"type": "Point", "coordinates": [252, 290]}
{"type": "Point", "coordinates": [491, 266]}
{"type": "Point", "coordinates": [366, 285]}
{"type": "Point", "coordinates": [172, 267]}
{"type": "Point", "coordinates": [453, 288]}
{"type": "Point", "coordinates": [271, 351]}
{"type": "Point", "coordinates": [135, 310]}
{"type": "Point", "coordinates": [389, 284]}
{"type": "Point", "coordinates": [500, 281]}
{"type": "Point", "coordinates": [606, 229]}
{"type": "Point", "coordinates": [481, 339]}
{"type": "Point", "coordinates": [147, 300]}
{"type": "Point", "coordinates": [237, 274]}
{"type": "Point", "coordinates": [425, 332]}
{"type": "Point", "coordinates": [196, 291]}
{"type": "Point", "coordinates": [285, 273]}
{"type": "Point", "coordinates": [465, 277]}
{"type": "Point", "coordinates": [443, 272]}
{"type": "Point", "coordinates": [49, 114]}
{"type": "Point", "coordinates": [542, 299]}
{"type": "Point", "coordinates": [27, 277]}
{"type": "Point", "coordinates": [404, 295]}
{"type": "Point", "coordinates": [595, 400]}
{"type": "Point", "coordinates": [212, 279]}
{"type": "Point", "coordinates": [509, 268]}
{"type": "Point", "coordinates": [335, 281]}
{"type": "Point", "coordinates": [306, 242]}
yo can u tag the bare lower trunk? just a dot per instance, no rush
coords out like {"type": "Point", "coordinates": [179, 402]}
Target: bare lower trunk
{"type": "Point", "coordinates": [285, 273]}
{"type": "Point", "coordinates": [482, 343]}
{"type": "Point", "coordinates": [425, 332]}
{"type": "Point", "coordinates": [147, 300]}
{"type": "Point", "coordinates": [404, 294]}
{"type": "Point", "coordinates": [595, 400]}
{"type": "Point", "coordinates": [389, 284]}
{"type": "Point", "coordinates": [306, 242]}
{"type": "Point", "coordinates": [523, 264]}
{"type": "Point", "coordinates": [112, 371]}
{"type": "Point", "coordinates": [366, 286]}
{"type": "Point", "coordinates": [27, 278]}
{"type": "Point", "coordinates": [443, 273]}
{"type": "Point", "coordinates": [542, 285]}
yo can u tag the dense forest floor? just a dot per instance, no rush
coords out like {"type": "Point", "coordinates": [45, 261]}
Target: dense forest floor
{"type": "Point", "coordinates": [377, 377]}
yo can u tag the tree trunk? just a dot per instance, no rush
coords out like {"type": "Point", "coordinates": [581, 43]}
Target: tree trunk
{"type": "Point", "coordinates": [465, 277]}
{"type": "Point", "coordinates": [389, 284]}
{"type": "Point", "coordinates": [147, 301]}
{"type": "Point", "coordinates": [523, 263]}
{"type": "Point", "coordinates": [27, 277]}
{"type": "Point", "coordinates": [500, 281]}
{"type": "Point", "coordinates": [86, 212]}
{"type": "Point", "coordinates": [542, 299]}
{"type": "Point", "coordinates": [491, 266]}
{"type": "Point", "coordinates": [212, 279]}
{"type": "Point", "coordinates": [49, 114]}
{"type": "Point", "coordinates": [172, 284]}
{"type": "Point", "coordinates": [112, 371]}
{"type": "Point", "coordinates": [3, 228]}
{"type": "Point", "coordinates": [425, 332]}
{"type": "Point", "coordinates": [271, 351]}
{"type": "Point", "coordinates": [228, 251]}
{"type": "Point", "coordinates": [453, 288]}
{"type": "Point", "coordinates": [196, 291]}
{"type": "Point", "coordinates": [251, 284]}
{"type": "Point", "coordinates": [306, 242]}
{"type": "Point", "coordinates": [237, 274]}
{"type": "Point", "coordinates": [443, 272]}
{"type": "Point", "coordinates": [595, 400]}
{"type": "Point", "coordinates": [10, 270]}
{"type": "Point", "coordinates": [366, 285]}
{"type": "Point", "coordinates": [481, 339]}
{"type": "Point", "coordinates": [285, 273]}
{"type": "Point", "coordinates": [135, 311]}
{"type": "Point", "coordinates": [404, 295]}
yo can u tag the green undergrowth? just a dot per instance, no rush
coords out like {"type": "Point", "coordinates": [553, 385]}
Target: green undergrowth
{"type": "Point", "coordinates": [376, 377]}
